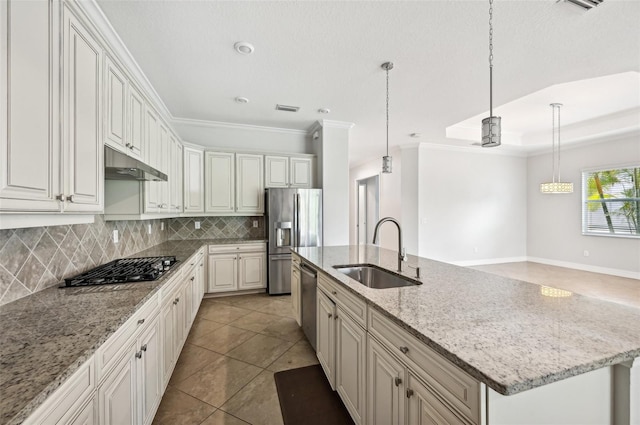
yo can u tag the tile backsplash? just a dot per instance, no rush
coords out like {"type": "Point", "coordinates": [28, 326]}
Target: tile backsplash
{"type": "Point", "coordinates": [36, 258]}
{"type": "Point", "coordinates": [216, 228]}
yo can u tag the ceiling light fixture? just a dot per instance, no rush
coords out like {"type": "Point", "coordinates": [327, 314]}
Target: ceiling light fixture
{"type": "Point", "coordinates": [324, 110]}
{"type": "Point", "coordinates": [491, 125]}
{"type": "Point", "coordinates": [287, 108]}
{"type": "Point", "coordinates": [386, 160]}
{"type": "Point", "coordinates": [242, 100]}
{"type": "Point", "coordinates": [555, 186]}
{"type": "Point", "coordinates": [244, 48]}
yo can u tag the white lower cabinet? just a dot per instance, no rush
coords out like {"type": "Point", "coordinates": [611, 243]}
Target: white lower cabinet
{"type": "Point", "coordinates": [117, 394]}
{"type": "Point", "coordinates": [237, 267]}
{"type": "Point", "coordinates": [296, 289]}
{"type": "Point", "coordinates": [385, 390]}
{"type": "Point", "coordinates": [341, 351]}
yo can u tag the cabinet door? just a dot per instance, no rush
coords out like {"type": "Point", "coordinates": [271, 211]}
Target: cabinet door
{"type": "Point", "coordinates": [223, 272]}
{"type": "Point", "coordinates": [118, 394]}
{"type": "Point", "coordinates": [220, 182]}
{"type": "Point", "coordinates": [276, 171]}
{"type": "Point", "coordinates": [249, 184]}
{"type": "Point", "coordinates": [188, 304]}
{"type": "Point", "coordinates": [193, 180]}
{"type": "Point", "coordinates": [385, 387]}
{"type": "Point", "coordinates": [135, 113]}
{"type": "Point", "coordinates": [167, 315]}
{"type": "Point", "coordinates": [424, 407]}
{"type": "Point", "coordinates": [115, 106]}
{"type": "Point", "coordinates": [252, 271]}
{"type": "Point", "coordinates": [325, 340]}
{"type": "Point", "coordinates": [179, 320]}
{"type": "Point", "coordinates": [350, 364]}
{"type": "Point", "coordinates": [87, 415]}
{"type": "Point", "coordinates": [164, 160]}
{"type": "Point", "coordinates": [301, 172]}
{"type": "Point", "coordinates": [295, 292]}
{"type": "Point", "coordinates": [151, 137]}
{"type": "Point", "coordinates": [82, 163]}
{"type": "Point", "coordinates": [29, 141]}
{"type": "Point", "coordinates": [179, 181]}
{"type": "Point", "coordinates": [175, 176]}
{"type": "Point", "coordinates": [149, 371]}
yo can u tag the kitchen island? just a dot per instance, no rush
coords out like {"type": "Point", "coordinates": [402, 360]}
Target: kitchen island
{"type": "Point", "coordinates": [531, 348]}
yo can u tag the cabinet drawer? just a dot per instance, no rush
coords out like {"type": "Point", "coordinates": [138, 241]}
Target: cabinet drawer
{"type": "Point", "coordinates": [250, 247]}
{"type": "Point", "coordinates": [109, 353]}
{"type": "Point", "coordinates": [68, 399]}
{"type": "Point", "coordinates": [454, 385]}
{"type": "Point", "coordinates": [295, 260]}
{"type": "Point", "coordinates": [356, 307]}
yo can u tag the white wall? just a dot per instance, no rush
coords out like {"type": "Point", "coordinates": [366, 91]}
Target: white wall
{"type": "Point", "coordinates": [472, 198]}
{"type": "Point", "coordinates": [554, 226]}
{"type": "Point", "coordinates": [390, 196]}
{"type": "Point", "coordinates": [243, 137]}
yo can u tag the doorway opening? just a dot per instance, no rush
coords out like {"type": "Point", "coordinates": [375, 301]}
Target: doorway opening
{"type": "Point", "coordinates": [368, 202]}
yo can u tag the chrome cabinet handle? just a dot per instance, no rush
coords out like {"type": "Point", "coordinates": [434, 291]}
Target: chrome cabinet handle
{"type": "Point", "coordinates": [335, 317]}
{"type": "Point", "coordinates": [330, 315]}
{"type": "Point", "coordinates": [60, 197]}
{"type": "Point", "coordinates": [176, 301]}
{"type": "Point", "coordinates": [144, 347]}
{"type": "Point", "coordinates": [141, 321]}
{"type": "Point", "coordinates": [398, 381]}
{"type": "Point", "coordinates": [193, 278]}
{"type": "Point", "coordinates": [409, 393]}
{"type": "Point", "coordinates": [128, 145]}
{"type": "Point", "coordinates": [71, 198]}
{"type": "Point", "coordinates": [334, 293]}
{"type": "Point", "coordinates": [404, 350]}
{"type": "Point", "coordinates": [139, 355]}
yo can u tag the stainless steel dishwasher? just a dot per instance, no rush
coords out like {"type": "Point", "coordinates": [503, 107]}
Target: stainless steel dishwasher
{"type": "Point", "coordinates": [308, 296]}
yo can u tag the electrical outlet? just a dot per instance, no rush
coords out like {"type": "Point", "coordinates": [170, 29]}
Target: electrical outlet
{"type": "Point", "coordinates": [149, 228]}
{"type": "Point", "coordinates": [197, 223]}
{"type": "Point", "coordinates": [255, 223]}
{"type": "Point", "coordinates": [162, 225]}
{"type": "Point", "coordinates": [116, 237]}
{"type": "Point", "coordinates": [585, 253]}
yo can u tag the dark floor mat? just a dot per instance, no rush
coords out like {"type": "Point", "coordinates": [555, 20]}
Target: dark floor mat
{"type": "Point", "coordinates": [306, 398]}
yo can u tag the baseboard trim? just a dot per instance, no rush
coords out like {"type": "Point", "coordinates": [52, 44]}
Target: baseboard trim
{"type": "Point", "coordinates": [483, 262]}
{"type": "Point", "coordinates": [595, 269]}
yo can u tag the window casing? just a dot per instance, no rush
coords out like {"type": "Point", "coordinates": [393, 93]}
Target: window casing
{"type": "Point", "coordinates": [611, 202]}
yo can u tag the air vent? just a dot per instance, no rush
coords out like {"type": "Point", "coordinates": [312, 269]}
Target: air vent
{"type": "Point", "coordinates": [287, 108]}
{"type": "Point", "coordinates": [585, 4]}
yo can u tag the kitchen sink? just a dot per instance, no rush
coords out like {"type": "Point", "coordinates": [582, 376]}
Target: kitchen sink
{"type": "Point", "coordinates": [375, 277]}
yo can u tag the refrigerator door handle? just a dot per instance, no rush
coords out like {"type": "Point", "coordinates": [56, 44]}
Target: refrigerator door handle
{"type": "Point", "coordinates": [296, 222]}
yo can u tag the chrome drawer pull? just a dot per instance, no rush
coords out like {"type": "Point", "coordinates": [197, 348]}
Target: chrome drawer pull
{"type": "Point", "coordinates": [144, 347]}
{"type": "Point", "coordinates": [330, 315]}
{"type": "Point", "coordinates": [141, 321]}
{"type": "Point", "coordinates": [398, 381]}
{"type": "Point", "coordinates": [334, 292]}
{"type": "Point", "coordinates": [404, 350]}
{"type": "Point", "coordinates": [139, 355]}
{"type": "Point", "coordinates": [409, 393]}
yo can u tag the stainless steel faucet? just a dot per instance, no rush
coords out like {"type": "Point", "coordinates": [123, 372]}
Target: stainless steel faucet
{"type": "Point", "coordinates": [401, 255]}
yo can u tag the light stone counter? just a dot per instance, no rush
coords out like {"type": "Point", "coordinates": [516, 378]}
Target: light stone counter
{"type": "Point", "coordinates": [47, 336]}
{"type": "Point", "coordinates": [505, 333]}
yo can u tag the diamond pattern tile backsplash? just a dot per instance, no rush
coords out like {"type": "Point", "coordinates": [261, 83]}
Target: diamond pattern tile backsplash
{"type": "Point", "coordinates": [216, 228]}
{"type": "Point", "coordinates": [36, 258]}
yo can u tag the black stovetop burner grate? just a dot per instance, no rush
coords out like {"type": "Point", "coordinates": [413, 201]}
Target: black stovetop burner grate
{"type": "Point", "coordinates": [124, 270]}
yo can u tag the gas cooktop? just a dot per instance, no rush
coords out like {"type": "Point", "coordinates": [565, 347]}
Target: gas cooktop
{"type": "Point", "coordinates": [124, 270]}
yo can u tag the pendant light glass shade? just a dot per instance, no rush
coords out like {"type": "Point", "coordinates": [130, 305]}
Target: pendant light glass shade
{"type": "Point", "coordinates": [387, 160]}
{"type": "Point", "coordinates": [555, 186]}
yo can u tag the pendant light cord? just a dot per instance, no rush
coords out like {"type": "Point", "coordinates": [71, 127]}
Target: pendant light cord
{"type": "Point", "coordinates": [553, 142]}
{"type": "Point", "coordinates": [387, 111]}
{"type": "Point", "coordinates": [490, 69]}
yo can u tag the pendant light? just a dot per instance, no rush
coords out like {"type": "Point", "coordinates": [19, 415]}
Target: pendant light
{"type": "Point", "coordinates": [491, 124]}
{"type": "Point", "coordinates": [555, 186]}
{"type": "Point", "coordinates": [386, 160]}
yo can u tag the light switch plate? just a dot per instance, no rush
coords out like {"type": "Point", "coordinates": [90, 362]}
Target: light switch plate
{"type": "Point", "coordinates": [255, 223]}
{"type": "Point", "coordinates": [149, 228]}
{"type": "Point", "coordinates": [197, 223]}
{"type": "Point", "coordinates": [162, 225]}
{"type": "Point", "coordinates": [116, 237]}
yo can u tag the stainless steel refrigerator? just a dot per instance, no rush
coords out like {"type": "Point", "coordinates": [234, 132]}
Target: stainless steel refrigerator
{"type": "Point", "coordinates": [294, 219]}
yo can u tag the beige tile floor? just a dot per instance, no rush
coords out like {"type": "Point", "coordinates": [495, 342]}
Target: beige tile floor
{"type": "Point", "coordinates": [597, 285]}
{"type": "Point", "coordinates": [224, 375]}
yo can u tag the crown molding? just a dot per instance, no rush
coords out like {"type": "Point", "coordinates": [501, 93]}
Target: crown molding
{"type": "Point", "coordinates": [504, 150]}
{"type": "Point", "coordinates": [336, 124]}
{"type": "Point", "coordinates": [235, 126]}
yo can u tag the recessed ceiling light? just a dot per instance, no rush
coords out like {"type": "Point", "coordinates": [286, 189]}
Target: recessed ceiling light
{"type": "Point", "coordinates": [324, 110]}
{"type": "Point", "coordinates": [242, 100]}
{"type": "Point", "coordinates": [244, 48]}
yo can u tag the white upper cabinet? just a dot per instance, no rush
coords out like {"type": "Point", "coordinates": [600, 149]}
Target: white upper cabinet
{"type": "Point", "coordinates": [249, 183]}
{"type": "Point", "coordinates": [29, 142]}
{"type": "Point", "coordinates": [220, 182]}
{"type": "Point", "coordinates": [151, 137]}
{"type": "Point", "coordinates": [116, 106]}
{"type": "Point", "coordinates": [82, 160]}
{"type": "Point", "coordinates": [288, 171]}
{"type": "Point", "coordinates": [193, 174]}
{"type": "Point", "coordinates": [175, 176]}
{"type": "Point", "coordinates": [135, 140]}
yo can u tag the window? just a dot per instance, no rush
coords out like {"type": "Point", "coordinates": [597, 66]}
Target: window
{"type": "Point", "coordinates": [611, 202]}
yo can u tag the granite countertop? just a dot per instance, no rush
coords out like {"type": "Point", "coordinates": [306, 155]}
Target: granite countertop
{"type": "Point", "coordinates": [504, 332]}
{"type": "Point", "coordinates": [45, 337]}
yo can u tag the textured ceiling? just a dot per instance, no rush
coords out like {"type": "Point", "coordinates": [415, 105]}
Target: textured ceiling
{"type": "Point", "coordinates": [315, 54]}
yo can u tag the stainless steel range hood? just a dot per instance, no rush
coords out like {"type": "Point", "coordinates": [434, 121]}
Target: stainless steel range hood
{"type": "Point", "coordinates": [118, 166]}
